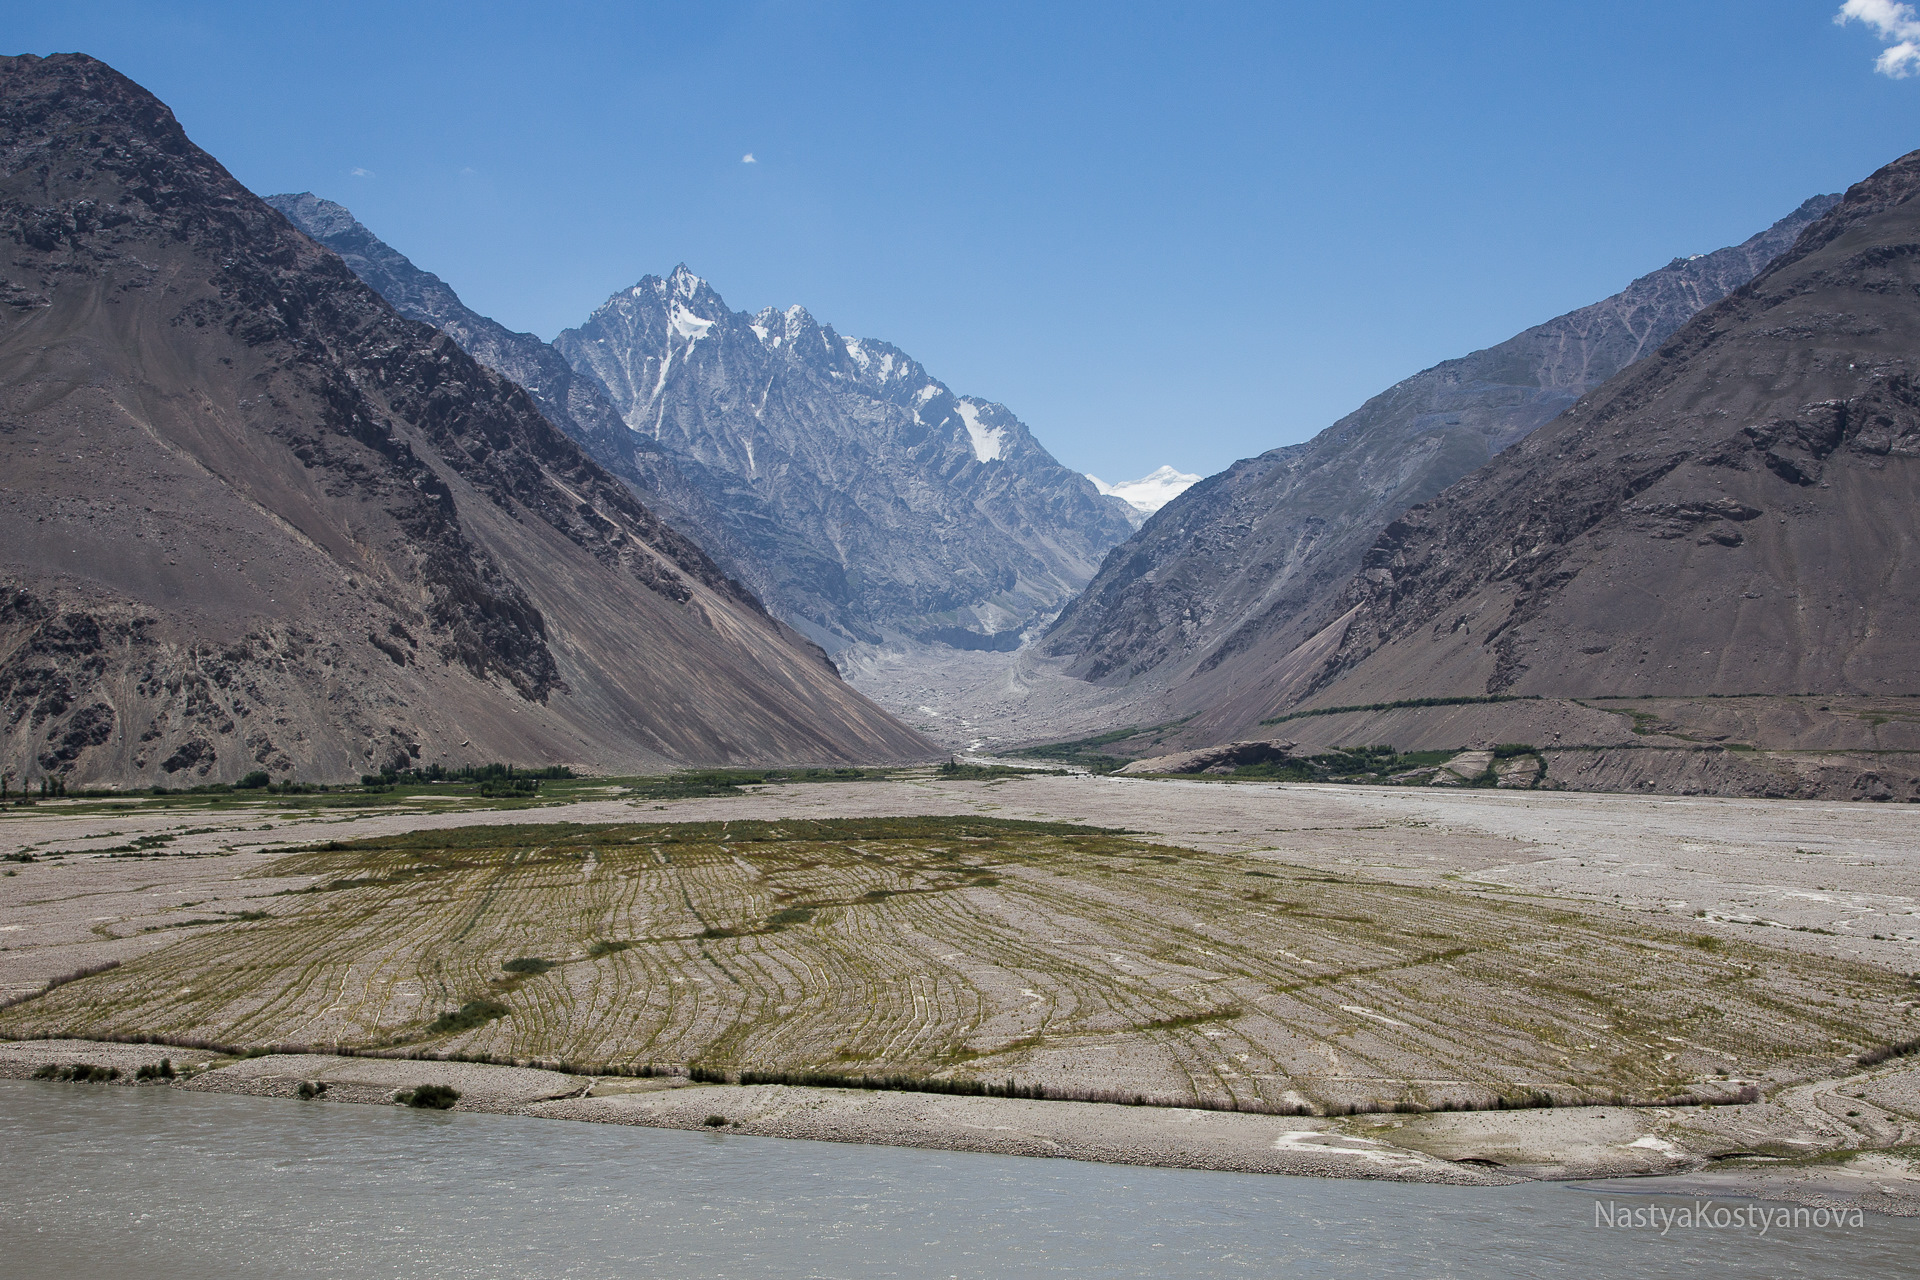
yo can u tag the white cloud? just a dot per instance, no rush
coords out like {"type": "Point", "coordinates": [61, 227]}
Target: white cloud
{"type": "Point", "coordinates": [1893, 22]}
{"type": "Point", "coordinates": [361, 173]}
{"type": "Point", "coordinates": [748, 159]}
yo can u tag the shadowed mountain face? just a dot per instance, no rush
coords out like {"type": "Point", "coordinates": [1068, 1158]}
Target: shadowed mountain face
{"type": "Point", "coordinates": [577, 405]}
{"type": "Point", "coordinates": [873, 502]}
{"type": "Point", "coordinates": [1734, 514]}
{"type": "Point", "coordinates": [1246, 565]}
{"type": "Point", "coordinates": [256, 519]}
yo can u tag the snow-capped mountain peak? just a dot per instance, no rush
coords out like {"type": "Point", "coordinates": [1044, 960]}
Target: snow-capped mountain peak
{"type": "Point", "coordinates": [868, 501]}
{"type": "Point", "coordinates": [1150, 492]}
{"type": "Point", "coordinates": [684, 282]}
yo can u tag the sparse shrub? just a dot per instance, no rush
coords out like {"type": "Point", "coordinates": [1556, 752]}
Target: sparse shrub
{"type": "Point", "coordinates": [527, 964]}
{"type": "Point", "coordinates": [1192, 1019]}
{"type": "Point", "coordinates": [606, 947]}
{"type": "Point", "coordinates": [161, 1070]}
{"type": "Point", "coordinates": [311, 1089]}
{"type": "Point", "coordinates": [253, 781]}
{"type": "Point", "coordinates": [472, 1014]}
{"type": "Point", "coordinates": [77, 1073]}
{"type": "Point", "coordinates": [438, 1097]}
{"type": "Point", "coordinates": [790, 915]}
{"type": "Point", "coordinates": [1704, 941]}
{"type": "Point", "coordinates": [714, 1121]}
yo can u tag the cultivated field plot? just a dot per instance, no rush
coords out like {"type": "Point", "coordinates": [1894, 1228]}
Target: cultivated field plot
{"type": "Point", "coordinates": [1059, 955]}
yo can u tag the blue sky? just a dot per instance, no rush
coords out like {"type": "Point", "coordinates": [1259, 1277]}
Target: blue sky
{"type": "Point", "coordinates": [1158, 233]}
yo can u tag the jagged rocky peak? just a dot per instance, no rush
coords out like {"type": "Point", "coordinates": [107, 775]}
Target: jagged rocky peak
{"type": "Point", "coordinates": [320, 218]}
{"type": "Point", "coordinates": [877, 505]}
{"type": "Point", "coordinates": [577, 405]}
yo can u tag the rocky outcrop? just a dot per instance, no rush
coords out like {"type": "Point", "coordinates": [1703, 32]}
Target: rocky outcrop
{"type": "Point", "coordinates": [256, 518]}
{"type": "Point", "coordinates": [872, 502]}
{"type": "Point", "coordinates": [1246, 566]}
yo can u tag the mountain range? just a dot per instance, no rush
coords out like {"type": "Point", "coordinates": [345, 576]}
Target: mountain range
{"type": "Point", "coordinates": [576, 404]}
{"type": "Point", "coordinates": [1241, 568]}
{"type": "Point", "coordinates": [278, 500]}
{"type": "Point", "coordinates": [852, 492]}
{"type": "Point", "coordinates": [257, 519]}
{"type": "Point", "coordinates": [1733, 515]}
{"type": "Point", "coordinates": [877, 505]}
{"type": "Point", "coordinates": [1700, 577]}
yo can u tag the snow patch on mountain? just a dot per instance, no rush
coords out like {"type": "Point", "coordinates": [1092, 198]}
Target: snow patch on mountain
{"type": "Point", "coordinates": [687, 324]}
{"type": "Point", "coordinates": [989, 443]}
{"type": "Point", "coordinates": [1150, 492]}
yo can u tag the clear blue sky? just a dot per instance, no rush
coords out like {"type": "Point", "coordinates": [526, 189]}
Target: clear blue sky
{"type": "Point", "coordinates": [1159, 233]}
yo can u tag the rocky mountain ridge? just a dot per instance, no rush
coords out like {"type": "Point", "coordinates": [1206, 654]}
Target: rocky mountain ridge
{"type": "Point", "coordinates": [257, 519]}
{"type": "Point", "coordinates": [876, 504]}
{"type": "Point", "coordinates": [1241, 569]}
{"type": "Point", "coordinates": [576, 404]}
{"type": "Point", "coordinates": [1734, 515]}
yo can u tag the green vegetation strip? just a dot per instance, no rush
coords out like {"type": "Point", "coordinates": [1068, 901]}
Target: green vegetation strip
{"type": "Point", "coordinates": [1403, 704]}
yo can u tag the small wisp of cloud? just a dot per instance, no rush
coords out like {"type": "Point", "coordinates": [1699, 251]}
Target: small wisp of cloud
{"type": "Point", "coordinates": [748, 159]}
{"type": "Point", "coordinates": [361, 173]}
{"type": "Point", "coordinates": [1893, 22]}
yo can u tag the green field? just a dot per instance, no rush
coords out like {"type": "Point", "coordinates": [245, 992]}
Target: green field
{"type": "Point", "coordinates": [975, 948]}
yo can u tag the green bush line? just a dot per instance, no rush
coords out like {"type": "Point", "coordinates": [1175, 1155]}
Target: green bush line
{"type": "Point", "coordinates": [952, 772]}
{"type": "Point", "coordinates": [902, 1083]}
{"type": "Point", "coordinates": [1886, 1053]}
{"type": "Point", "coordinates": [473, 1013]}
{"type": "Point", "coordinates": [77, 1073]}
{"type": "Point", "coordinates": [1192, 1019]}
{"type": "Point", "coordinates": [60, 981]}
{"type": "Point", "coordinates": [1405, 703]}
{"type": "Point", "coordinates": [1084, 753]}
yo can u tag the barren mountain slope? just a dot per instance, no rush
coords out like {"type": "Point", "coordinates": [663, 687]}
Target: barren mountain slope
{"type": "Point", "coordinates": [1251, 558]}
{"type": "Point", "coordinates": [878, 505]}
{"type": "Point", "coordinates": [255, 518]}
{"type": "Point", "coordinates": [575, 403]}
{"type": "Point", "coordinates": [1735, 514]}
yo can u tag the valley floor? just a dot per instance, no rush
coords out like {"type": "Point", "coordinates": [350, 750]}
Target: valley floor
{"type": "Point", "coordinates": [1328, 949]}
{"type": "Point", "coordinates": [986, 701]}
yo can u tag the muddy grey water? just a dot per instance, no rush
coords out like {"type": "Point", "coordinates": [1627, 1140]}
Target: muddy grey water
{"type": "Point", "coordinates": [153, 1184]}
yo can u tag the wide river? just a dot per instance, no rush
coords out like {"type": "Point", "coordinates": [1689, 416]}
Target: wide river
{"type": "Point", "coordinates": [152, 1184]}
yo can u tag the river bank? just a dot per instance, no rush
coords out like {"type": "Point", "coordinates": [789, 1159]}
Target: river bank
{"type": "Point", "coordinates": [1666, 1150]}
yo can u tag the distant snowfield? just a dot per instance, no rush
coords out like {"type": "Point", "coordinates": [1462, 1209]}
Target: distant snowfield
{"type": "Point", "coordinates": [1150, 492]}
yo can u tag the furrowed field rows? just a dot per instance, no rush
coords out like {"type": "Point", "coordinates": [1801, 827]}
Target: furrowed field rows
{"type": "Point", "coordinates": [977, 949]}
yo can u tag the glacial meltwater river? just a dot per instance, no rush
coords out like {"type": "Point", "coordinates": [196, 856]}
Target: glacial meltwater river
{"type": "Point", "coordinates": [153, 1184]}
